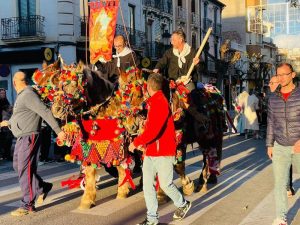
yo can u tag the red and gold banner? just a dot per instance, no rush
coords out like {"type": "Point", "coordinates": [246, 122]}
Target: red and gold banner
{"type": "Point", "coordinates": [102, 27]}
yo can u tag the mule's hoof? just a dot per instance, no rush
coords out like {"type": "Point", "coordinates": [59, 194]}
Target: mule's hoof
{"type": "Point", "coordinates": [85, 207]}
{"type": "Point", "coordinates": [122, 195]}
{"type": "Point", "coordinates": [204, 189]}
{"type": "Point", "coordinates": [212, 179]}
{"type": "Point", "coordinates": [201, 188]}
{"type": "Point", "coordinates": [189, 188]}
{"type": "Point", "coordinates": [198, 188]}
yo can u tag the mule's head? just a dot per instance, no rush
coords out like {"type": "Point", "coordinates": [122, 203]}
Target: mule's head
{"type": "Point", "coordinates": [131, 96]}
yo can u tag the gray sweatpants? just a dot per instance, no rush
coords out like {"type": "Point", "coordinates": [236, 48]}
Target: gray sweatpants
{"type": "Point", "coordinates": [25, 163]}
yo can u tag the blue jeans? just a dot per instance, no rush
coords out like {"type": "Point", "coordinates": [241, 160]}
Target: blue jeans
{"type": "Point", "coordinates": [163, 166]}
{"type": "Point", "coordinates": [283, 157]}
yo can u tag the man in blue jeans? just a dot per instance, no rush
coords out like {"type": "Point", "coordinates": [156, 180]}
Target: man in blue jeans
{"type": "Point", "coordinates": [283, 136]}
{"type": "Point", "coordinates": [159, 157]}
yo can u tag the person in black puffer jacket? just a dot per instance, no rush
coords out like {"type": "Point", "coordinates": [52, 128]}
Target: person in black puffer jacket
{"type": "Point", "coordinates": [283, 135]}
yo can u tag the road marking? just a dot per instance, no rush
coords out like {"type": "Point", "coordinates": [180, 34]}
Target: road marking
{"type": "Point", "coordinates": [9, 189]}
{"type": "Point", "coordinates": [264, 213]}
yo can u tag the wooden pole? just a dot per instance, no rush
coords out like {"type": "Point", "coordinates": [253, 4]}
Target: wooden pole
{"type": "Point", "coordinates": [199, 52]}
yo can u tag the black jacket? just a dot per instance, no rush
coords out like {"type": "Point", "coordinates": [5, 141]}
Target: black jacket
{"type": "Point", "coordinates": [283, 119]}
{"type": "Point", "coordinates": [170, 62]}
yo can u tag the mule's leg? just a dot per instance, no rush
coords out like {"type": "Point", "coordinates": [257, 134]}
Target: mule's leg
{"type": "Point", "coordinates": [162, 198]}
{"type": "Point", "coordinates": [187, 184]}
{"type": "Point", "coordinates": [88, 198]}
{"type": "Point", "coordinates": [202, 184]}
{"type": "Point", "coordinates": [213, 179]}
{"type": "Point", "coordinates": [124, 189]}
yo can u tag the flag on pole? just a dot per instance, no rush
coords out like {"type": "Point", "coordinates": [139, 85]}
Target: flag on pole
{"type": "Point", "coordinates": [102, 27]}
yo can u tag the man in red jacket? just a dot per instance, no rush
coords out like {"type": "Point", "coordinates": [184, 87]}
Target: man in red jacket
{"type": "Point", "coordinates": [159, 157]}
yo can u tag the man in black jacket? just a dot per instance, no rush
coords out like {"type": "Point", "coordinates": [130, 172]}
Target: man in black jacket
{"type": "Point", "coordinates": [283, 136]}
{"type": "Point", "coordinates": [178, 59]}
{"type": "Point", "coordinates": [123, 58]}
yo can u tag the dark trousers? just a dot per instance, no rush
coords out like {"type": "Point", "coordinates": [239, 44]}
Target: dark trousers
{"type": "Point", "coordinates": [25, 163]}
{"type": "Point", "coordinates": [6, 140]}
{"type": "Point", "coordinates": [45, 143]}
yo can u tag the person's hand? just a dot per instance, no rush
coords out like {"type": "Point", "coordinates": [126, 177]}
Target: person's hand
{"type": "Point", "coordinates": [296, 147]}
{"type": "Point", "coordinates": [131, 147]}
{"type": "Point", "coordinates": [270, 152]}
{"type": "Point", "coordinates": [4, 123]}
{"type": "Point", "coordinates": [155, 71]}
{"type": "Point", "coordinates": [273, 84]}
{"type": "Point", "coordinates": [196, 60]}
{"type": "Point", "coordinates": [61, 136]}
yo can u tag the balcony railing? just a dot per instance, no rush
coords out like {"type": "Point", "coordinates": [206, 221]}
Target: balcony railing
{"type": "Point", "coordinates": [181, 14]}
{"type": "Point", "coordinates": [23, 28]}
{"type": "Point", "coordinates": [137, 38]}
{"type": "Point", "coordinates": [207, 23]}
{"type": "Point", "coordinates": [218, 29]}
{"type": "Point", "coordinates": [84, 23]}
{"type": "Point", "coordinates": [161, 5]}
{"type": "Point", "coordinates": [195, 19]}
{"type": "Point", "coordinates": [155, 50]}
{"type": "Point", "coordinates": [211, 65]}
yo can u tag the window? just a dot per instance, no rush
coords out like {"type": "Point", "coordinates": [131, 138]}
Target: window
{"type": "Point", "coordinates": [27, 21]}
{"type": "Point", "coordinates": [131, 16]}
{"type": "Point", "coordinates": [194, 40]}
{"type": "Point", "coordinates": [27, 8]}
{"type": "Point", "coordinates": [179, 3]}
{"type": "Point", "coordinates": [4, 84]}
{"type": "Point", "coordinates": [205, 15]}
{"type": "Point", "coordinates": [193, 6]}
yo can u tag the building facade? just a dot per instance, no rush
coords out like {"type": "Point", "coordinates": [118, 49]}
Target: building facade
{"type": "Point", "coordinates": [158, 23]}
{"type": "Point", "coordinates": [242, 26]}
{"type": "Point", "coordinates": [195, 17]}
{"type": "Point", "coordinates": [33, 31]}
{"type": "Point", "coordinates": [130, 24]}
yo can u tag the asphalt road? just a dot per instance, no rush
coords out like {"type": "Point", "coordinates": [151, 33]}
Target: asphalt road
{"type": "Point", "coordinates": [243, 195]}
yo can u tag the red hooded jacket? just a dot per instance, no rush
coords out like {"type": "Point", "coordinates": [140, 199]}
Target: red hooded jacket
{"type": "Point", "coordinates": [159, 130]}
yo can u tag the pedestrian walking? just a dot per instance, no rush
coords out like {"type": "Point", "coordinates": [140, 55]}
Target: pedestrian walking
{"type": "Point", "coordinates": [274, 85]}
{"type": "Point", "coordinates": [159, 156]}
{"type": "Point", "coordinates": [251, 119]}
{"type": "Point", "coordinates": [283, 136]}
{"type": "Point", "coordinates": [25, 124]}
{"type": "Point", "coordinates": [6, 137]}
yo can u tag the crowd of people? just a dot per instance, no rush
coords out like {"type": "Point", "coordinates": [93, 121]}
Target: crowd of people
{"type": "Point", "coordinates": [281, 116]}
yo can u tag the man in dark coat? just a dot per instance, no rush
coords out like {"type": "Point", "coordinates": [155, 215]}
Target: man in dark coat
{"type": "Point", "coordinates": [124, 58]}
{"type": "Point", "coordinates": [283, 136]}
{"type": "Point", "coordinates": [178, 59]}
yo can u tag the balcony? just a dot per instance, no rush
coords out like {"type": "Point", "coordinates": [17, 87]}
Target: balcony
{"type": "Point", "coordinates": [211, 65]}
{"type": "Point", "coordinates": [137, 38]}
{"type": "Point", "coordinates": [155, 50]}
{"type": "Point", "coordinates": [23, 29]}
{"type": "Point", "coordinates": [207, 23]}
{"type": "Point", "coordinates": [218, 29]}
{"type": "Point", "coordinates": [159, 5]}
{"type": "Point", "coordinates": [195, 20]}
{"type": "Point", "coordinates": [84, 23]}
{"type": "Point", "coordinates": [181, 14]}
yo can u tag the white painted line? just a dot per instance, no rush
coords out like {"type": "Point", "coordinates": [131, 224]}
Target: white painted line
{"type": "Point", "coordinates": [264, 213]}
{"type": "Point", "coordinates": [6, 190]}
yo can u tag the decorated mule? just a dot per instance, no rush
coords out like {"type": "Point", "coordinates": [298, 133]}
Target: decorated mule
{"type": "Point", "coordinates": [99, 118]}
